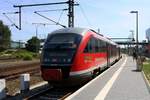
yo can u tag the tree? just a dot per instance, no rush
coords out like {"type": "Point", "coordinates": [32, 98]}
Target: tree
{"type": "Point", "coordinates": [5, 36]}
{"type": "Point", "coordinates": [33, 44]}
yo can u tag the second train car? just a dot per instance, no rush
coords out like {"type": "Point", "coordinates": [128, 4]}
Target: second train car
{"type": "Point", "coordinates": [71, 56]}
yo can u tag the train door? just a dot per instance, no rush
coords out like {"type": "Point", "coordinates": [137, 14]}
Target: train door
{"type": "Point", "coordinates": [108, 54]}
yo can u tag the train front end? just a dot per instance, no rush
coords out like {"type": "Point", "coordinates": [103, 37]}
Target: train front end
{"type": "Point", "coordinates": [58, 55]}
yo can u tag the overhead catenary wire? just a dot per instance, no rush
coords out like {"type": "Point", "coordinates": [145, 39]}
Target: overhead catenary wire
{"type": "Point", "coordinates": [43, 24]}
{"type": "Point", "coordinates": [70, 4]}
{"type": "Point", "coordinates": [62, 11]}
{"type": "Point", "coordinates": [50, 19]}
{"type": "Point", "coordinates": [11, 12]}
{"type": "Point", "coordinates": [84, 15]}
{"type": "Point", "coordinates": [13, 24]}
{"type": "Point", "coordinates": [70, 11]}
{"type": "Point", "coordinates": [60, 16]}
{"type": "Point", "coordinates": [52, 10]}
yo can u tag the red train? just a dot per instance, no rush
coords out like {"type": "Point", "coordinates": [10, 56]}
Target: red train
{"type": "Point", "coordinates": [71, 56]}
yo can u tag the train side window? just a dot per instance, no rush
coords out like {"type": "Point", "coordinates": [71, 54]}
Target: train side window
{"type": "Point", "coordinates": [96, 45]}
{"type": "Point", "coordinates": [110, 48]}
{"type": "Point", "coordinates": [114, 48]}
{"type": "Point", "coordinates": [86, 50]}
{"type": "Point", "coordinates": [101, 46]}
{"type": "Point", "coordinates": [90, 46]}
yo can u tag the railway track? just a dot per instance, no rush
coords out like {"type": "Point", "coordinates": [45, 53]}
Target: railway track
{"type": "Point", "coordinates": [53, 93]}
{"type": "Point", "coordinates": [16, 75]}
{"type": "Point", "coordinates": [13, 70]}
{"type": "Point", "coordinates": [12, 74]}
{"type": "Point", "coordinates": [7, 59]}
{"type": "Point", "coordinates": [46, 94]}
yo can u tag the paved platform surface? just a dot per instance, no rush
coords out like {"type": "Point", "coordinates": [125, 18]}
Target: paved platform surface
{"type": "Point", "coordinates": [120, 82]}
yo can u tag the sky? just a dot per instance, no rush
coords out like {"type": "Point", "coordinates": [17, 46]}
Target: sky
{"type": "Point", "coordinates": [112, 17]}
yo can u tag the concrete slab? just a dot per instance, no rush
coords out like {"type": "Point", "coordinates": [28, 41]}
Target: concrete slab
{"type": "Point", "coordinates": [129, 84]}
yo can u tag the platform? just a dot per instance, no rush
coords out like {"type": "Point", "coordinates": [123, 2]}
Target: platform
{"type": "Point", "coordinates": [120, 82]}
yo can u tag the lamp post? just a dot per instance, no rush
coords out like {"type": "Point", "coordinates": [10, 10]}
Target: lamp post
{"type": "Point", "coordinates": [136, 12]}
{"type": "Point", "coordinates": [132, 35]}
{"type": "Point", "coordinates": [132, 41]}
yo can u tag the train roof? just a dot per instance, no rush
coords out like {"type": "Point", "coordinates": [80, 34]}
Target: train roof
{"type": "Point", "coordinates": [82, 32]}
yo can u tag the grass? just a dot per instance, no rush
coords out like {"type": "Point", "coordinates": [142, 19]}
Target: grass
{"type": "Point", "coordinates": [19, 54]}
{"type": "Point", "coordinates": [146, 69]}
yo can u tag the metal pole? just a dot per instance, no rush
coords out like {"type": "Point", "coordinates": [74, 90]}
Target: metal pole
{"type": "Point", "coordinates": [132, 34]}
{"type": "Point", "coordinates": [43, 4]}
{"type": "Point", "coordinates": [136, 12]}
{"type": "Point", "coordinates": [19, 18]}
{"type": "Point", "coordinates": [36, 38]}
{"type": "Point", "coordinates": [71, 13]}
{"type": "Point", "coordinates": [19, 6]}
{"type": "Point", "coordinates": [137, 33]}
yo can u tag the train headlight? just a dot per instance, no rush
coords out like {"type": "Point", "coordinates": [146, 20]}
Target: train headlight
{"type": "Point", "coordinates": [74, 46]}
{"type": "Point", "coordinates": [46, 60]}
{"type": "Point", "coordinates": [69, 60]}
{"type": "Point", "coordinates": [64, 60]}
{"type": "Point", "coordinates": [54, 60]}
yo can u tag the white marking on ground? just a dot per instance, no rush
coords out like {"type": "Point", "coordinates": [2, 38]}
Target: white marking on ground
{"type": "Point", "coordinates": [103, 93]}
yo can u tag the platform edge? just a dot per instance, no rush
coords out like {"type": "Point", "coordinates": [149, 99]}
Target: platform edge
{"type": "Point", "coordinates": [146, 81]}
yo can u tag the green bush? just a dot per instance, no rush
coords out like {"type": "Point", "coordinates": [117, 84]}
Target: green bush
{"type": "Point", "coordinates": [34, 55]}
{"type": "Point", "coordinates": [9, 51]}
{"type": "Point", "coordinates": [27, 57]}
{"type": "Point", "coordinates": [19, 54]}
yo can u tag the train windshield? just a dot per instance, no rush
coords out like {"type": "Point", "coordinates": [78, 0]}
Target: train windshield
{"type": "Point", "coordinates": [63, 41]}
{"type": "Point", "coordinates": [60, 48]}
